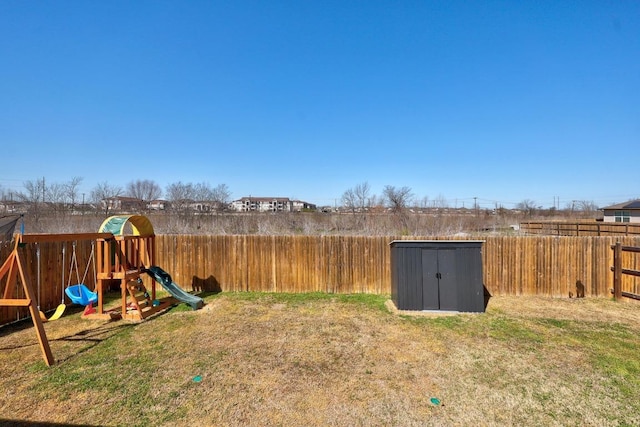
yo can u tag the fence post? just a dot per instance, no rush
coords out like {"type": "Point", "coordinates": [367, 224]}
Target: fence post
{"type": "Point", "coordinates": [617, 271]}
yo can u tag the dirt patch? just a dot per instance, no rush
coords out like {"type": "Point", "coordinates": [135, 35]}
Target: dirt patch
{"type": "Point", "coordinates": [390, 305]}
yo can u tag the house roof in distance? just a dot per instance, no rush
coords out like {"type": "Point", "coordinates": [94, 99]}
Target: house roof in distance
{"type": "Point", "coordinates": [631, 204]}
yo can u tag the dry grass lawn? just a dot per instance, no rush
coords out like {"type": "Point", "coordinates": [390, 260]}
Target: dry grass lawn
{"type": "Point", "coordinates": [316, 360]}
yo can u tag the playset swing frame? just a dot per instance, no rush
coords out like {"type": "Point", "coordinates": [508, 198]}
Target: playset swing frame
{"type": "Point", "coordinates": [13, 270]}
{"type": "Point", "coordinates": [118, 258]}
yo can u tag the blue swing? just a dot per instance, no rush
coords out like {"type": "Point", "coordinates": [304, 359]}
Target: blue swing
{"type": "Point", "coordinates": [79, 293]}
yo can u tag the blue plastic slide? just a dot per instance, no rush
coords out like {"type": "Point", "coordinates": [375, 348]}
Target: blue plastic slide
{"type": "Point", "coordinates": [162, 277]}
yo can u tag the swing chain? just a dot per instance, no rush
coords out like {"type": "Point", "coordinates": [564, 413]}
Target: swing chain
{"type": "Point", "coordinates": [74, 263]}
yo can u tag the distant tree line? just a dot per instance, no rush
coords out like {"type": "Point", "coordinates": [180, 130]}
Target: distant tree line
{"type": "Point", "coordinates": [360, 198]}
{"type": "Point", "coordinates": [39, 196]}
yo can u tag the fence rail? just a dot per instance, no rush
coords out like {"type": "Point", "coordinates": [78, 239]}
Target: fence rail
{"type": "Point", "coordinates": [514, 265]}
{"type": "Point", "coordinates": [580, 228]}
{"type": "Point", "coordinates": [619, 271]}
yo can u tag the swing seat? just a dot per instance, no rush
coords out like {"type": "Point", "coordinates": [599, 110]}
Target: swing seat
{"type": "Point", "coordinates": [58, 314]}
{"type": "Point", "coordinates": [81, 295]}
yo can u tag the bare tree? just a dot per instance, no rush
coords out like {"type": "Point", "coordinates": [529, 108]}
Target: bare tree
{"type": "Point", "coordinates": [34, 191]}
{"type": "Point", "coordinates": [375, 201]}
{"type": "Point", "coordinates": [203, 192]}
{"type": "Point", "coordinates": [528, 207]}
{"type": "Point", "coordinates": [180, 195]}
{"type": "Point", "coordinates": [218, 196]}
{"type": "Point", "coordinates": [221, 196]}
{"type": "Point", "coordinates": [33, 196]}
{"type": "Point", "coordinates": [55, 196]}
{"type": "Point", "coordinates": [176, 191]}
{"type": "Point", "coordinates": [145, 190]}
{"type": "Point", "coordinates": [349, 200]}
{"type": "Point", "coordinates": [71, 190]}
{"type": "Point", "coordinates": [397, 199]}
{"type": "Point", "coordinates": [440, 202]}
{"type": "Point", "coordinates": [362, 192]}
{"type": "Point", "coordinates": [358, 198]}
{"type": "Point", "coordinates": [102, 192]}
{"type": "Point", "coordinates": [586, 206]}
{"type": "Point", "coordinates": [423, 202]}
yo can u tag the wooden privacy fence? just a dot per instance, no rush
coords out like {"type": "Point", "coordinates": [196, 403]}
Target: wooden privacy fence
{"type": "Point", "coordinates": [523, 265]}
{"type": "Point", "coordinates": [589, 228]}
{"type": "Point", "coordinates": [539, 265]}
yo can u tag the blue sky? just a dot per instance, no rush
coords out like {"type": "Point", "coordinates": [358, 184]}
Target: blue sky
{"type": "Point", "coordinates": [499, 100]}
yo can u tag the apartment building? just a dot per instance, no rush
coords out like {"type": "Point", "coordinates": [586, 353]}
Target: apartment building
{"type": "Point", "coordinates": [270, 204]}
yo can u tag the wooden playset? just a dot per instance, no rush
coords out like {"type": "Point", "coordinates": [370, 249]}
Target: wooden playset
{"type": "Point", "coordinates": [120, 260]}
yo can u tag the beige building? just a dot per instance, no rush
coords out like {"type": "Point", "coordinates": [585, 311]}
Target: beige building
{"type": "Point", "coordinates": [270, 204]}
{"type": "Point", "coordinates": [623, 212]}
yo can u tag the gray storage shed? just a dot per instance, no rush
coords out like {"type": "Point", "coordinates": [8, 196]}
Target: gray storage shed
{"type": "Point", "coordinates": [437, 275]}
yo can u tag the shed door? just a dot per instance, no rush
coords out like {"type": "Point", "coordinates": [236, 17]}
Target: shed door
{"type": "Point", "coordinates": [439, 282]}
{"type": "Point", "coordinates": [448, 282]}
{"type": "Point", "coordinates": [430, 291]}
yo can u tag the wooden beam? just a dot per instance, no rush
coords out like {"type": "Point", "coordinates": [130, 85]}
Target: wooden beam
{"type": "Point", "coordinates": [7, 270]}
{"type": "Point", "coordinates": [8, 264]}
{"type": "Point", "coordinates": [14, 302]}
{"type": "Point", "coordinates": [35, 317]}
{"type": "Point", "coordinates": [617, 271]}
{"type": "Point", "coordinates": [631, 272]}
{"type": "Point", "coordinates": [630, 295]}
{"type": "Point", "coordinates": [13, 268]}
{"type": "Point", "coordinates": [42, 238]}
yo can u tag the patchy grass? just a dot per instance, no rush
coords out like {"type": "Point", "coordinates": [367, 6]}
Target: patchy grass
{"type": "Point", "coordinates": [343, 360]}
